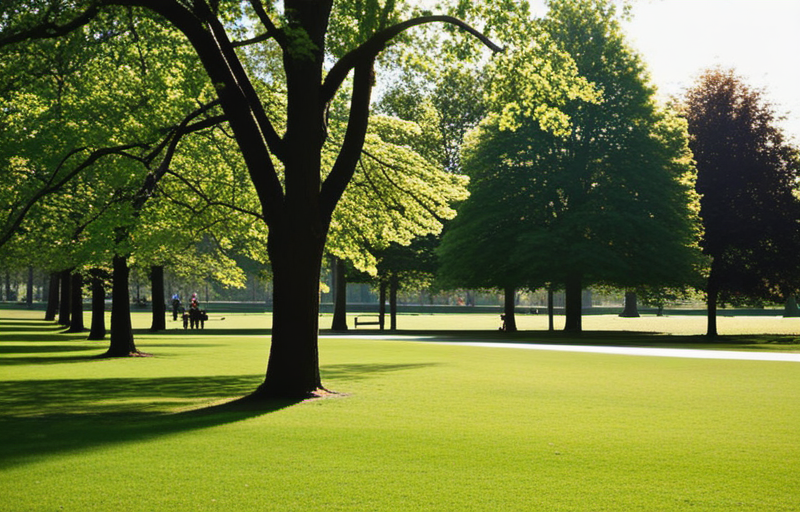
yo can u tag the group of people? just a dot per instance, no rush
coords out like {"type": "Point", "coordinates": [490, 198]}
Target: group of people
{"type": "Point", "coordinates": [194, 317]}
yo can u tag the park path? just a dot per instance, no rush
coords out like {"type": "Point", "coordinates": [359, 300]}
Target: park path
{"type": "Point", "coordinates": [690, 353]}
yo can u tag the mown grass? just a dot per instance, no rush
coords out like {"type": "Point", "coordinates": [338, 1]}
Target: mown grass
{"type": "Point", "coordinates": [418, 426]}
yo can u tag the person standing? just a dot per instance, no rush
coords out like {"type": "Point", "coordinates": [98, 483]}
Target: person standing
{"type": "Point", "coordinates": [176, 306]}
{"type": "Point", "coordinates": [194, 312]}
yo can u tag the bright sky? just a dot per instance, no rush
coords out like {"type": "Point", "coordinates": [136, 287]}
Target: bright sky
{"type": "Point", "coordinates": [678, 39]}
{"type": "Point", "coordinates": [760, 39]}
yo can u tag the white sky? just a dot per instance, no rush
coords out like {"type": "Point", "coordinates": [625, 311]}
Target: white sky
{"type": "Point", "coordinates": [760, 39]}
{"type": "Point", "coordinates": [678, 39]}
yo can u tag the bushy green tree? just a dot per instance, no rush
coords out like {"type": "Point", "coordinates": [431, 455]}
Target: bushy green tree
{"type": "Point", "coordinates": [606, 200]}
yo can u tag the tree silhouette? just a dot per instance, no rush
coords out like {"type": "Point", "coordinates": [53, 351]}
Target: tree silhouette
{"type": "Point", "coordinates": [746, 176]}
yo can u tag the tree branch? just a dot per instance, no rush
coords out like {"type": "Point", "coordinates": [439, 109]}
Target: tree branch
{"type": "Point", "coordinates": [272, 30]}
{"type": "Point", "coordinates": [383, 166]}
{"type": "Point", "coordinates": [14, 220]}
{"type": "Point", "coordinates": [252, 40]}
{"type": "Point", "coordinates": [361, 60]}
{"type": "Point", "coordinates": [226, 49]}
{"type": "Point", "coordinates": [369, 50]}
{"type": "Point", "coordinates": [183, 129]}
{"type": "Point", "coordinates": [345, 165]}
{"type": "Point", "coordinates": [209, 202]}
{"type": "Point", "coordinates": [47, 29]}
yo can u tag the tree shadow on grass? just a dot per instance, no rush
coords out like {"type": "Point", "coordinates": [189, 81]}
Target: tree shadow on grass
{"type": "Point", "coordinates": [353, 372]}
{"type": "Point", "coordinates": [28, 327]}
{"type": "Point", "coordinates": [45, 349]}
{"type": "Point", "coordinates": [40, 337]}
{"type": "Point", "coordinates": [51, 416]}
{"type": "Point", "coordinates": [40, 418]}
{"type": "Point", "coordinates": [179, 332]}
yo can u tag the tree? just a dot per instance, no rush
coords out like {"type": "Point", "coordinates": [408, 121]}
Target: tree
{"type": "Point", "coordinates": [607, 200]}
{"type": "Point", "coordinates": [397, 196]}
{"type": "Point", "coordinates": [404, 267]}
{"type": "Point", "coordinates": [747, 176]}
{"type": "Point", "coordinates": [298, 199]}
{"type": "Point", "coordinates": [446, 101]}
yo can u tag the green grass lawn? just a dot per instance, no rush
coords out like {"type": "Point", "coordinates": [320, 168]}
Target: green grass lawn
{"type": "Point", "coordinates": [418, 426]}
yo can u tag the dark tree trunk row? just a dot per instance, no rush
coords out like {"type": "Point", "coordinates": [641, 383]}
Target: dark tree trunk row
{"type": "Point", "coordinates": [98, 328]}
{"type": "Point", "coordinates": [52, 297]}
{"type": "Point", "coordinates": [711, 303]}
{"type": "Point", "coordinates": [509, 307]}
{"type": "Point", "coordinates": [121, 340]}
{"type": "Point", "coordinates": [574, 303]}
{"type": "Point", "coordinates": [76, 303]}
{"type": "Point", "coordinates": [631, 309]}
{"type": "Point", "coordinates": [394, 284]}
{"type": "Point", "coordinates": [382, 303]}
{"type": "Point", "coordinates": [29, 290]}
{"type": "Point", "coordinates": [339, 283]}
{"type": "Point", "coordinates": [64, 306]}
{"type": "Point", "coordinates": [159, 301]}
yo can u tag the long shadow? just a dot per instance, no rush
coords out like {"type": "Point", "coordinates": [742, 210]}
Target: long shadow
{"type": "Point", "coordinates": [38, 338]}
{"type": "Point", "coordinates": [49, 360]}
{"type": "Point", "coordinates": [27, 327]}
{"type": "Point", "coordinates": [44, 349]}
{"type": "Point", "coordinates": [52, 416]}
{"type": "Point", "coordinates": [354, 372]}
{"type": "Point", "coordinates": [205, 332]}
{"type": "Point", "coordinates": [47, 417]}
{"type": "Point", "coordinates": [15, 320]}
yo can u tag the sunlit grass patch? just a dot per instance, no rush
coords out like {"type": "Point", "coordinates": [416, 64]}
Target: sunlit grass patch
{"type": "Point", "coordinates": [419, 426]}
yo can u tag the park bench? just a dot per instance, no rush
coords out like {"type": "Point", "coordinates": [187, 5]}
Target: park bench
{"type": "Point", "coordinates": [373, 320]}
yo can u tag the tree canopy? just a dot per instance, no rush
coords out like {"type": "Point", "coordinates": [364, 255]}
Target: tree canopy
{"type": "Point", "coordinates": [322, 49]}
{"type": "Point", "coordinates": [606, 199]}
{"type": "Point", "coordinates": [747, 177]}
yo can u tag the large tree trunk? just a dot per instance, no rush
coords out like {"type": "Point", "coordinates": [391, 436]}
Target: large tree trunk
{"type": "Point", "coordinates": [159, 302]}
{"type": "Point", "coordinates": [382, 304]}
{"type": "Point", "coordinates": [339, 283]}
{"type": "Point", "coordinates": [509, 306]}
{"type": "Point", "coordinates": [64, 306]}
{"type": "Point", "coordinates": [631, 309]}
{"type": "Point", "coordinates": [574, 303]}
{"type": "Point", "coordinates": [29, 289]}
{"type": "Point", "coordinates": [550, 311]}
{"type": "Point", "coordinates": [76, 303]}
{"type": "Point", "coordinates": [295, 251]}
{"type": "Point", "coordinates": [394, 284]}
{"type": "Point", "coordinates": [298, 231]}
{"type": "Point", "coordinates": [52, 297]}
{"type": "Point", "coordinates": [98, 328]}
{"type": "Point", "coordinates": [121, 339]}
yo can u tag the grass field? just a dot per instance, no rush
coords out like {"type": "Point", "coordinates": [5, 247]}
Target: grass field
{"type": "Point", "coordinates": [417, 426]}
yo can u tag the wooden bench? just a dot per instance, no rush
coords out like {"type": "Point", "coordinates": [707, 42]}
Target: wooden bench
{"type": "Point", "coordinates": [376, 321]}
